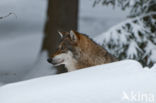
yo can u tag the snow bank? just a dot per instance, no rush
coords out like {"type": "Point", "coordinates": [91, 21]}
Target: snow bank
{"type": "Point", "coordinates": [107, 83]}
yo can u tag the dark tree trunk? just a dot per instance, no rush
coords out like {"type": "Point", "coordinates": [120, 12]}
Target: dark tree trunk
{"type": "Point", "coordinates": [62, 15]}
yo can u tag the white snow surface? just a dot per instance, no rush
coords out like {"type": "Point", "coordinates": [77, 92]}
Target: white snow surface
{"type": "Point", "coordinates": [20, 43]}
{"type": "Point", "coordinates": [99, 84]}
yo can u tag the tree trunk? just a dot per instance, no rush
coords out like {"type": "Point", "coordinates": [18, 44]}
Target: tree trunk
{"type": "Point", "coordinates": [62, 15]}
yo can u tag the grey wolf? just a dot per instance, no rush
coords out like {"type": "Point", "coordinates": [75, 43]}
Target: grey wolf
{"type": "Point", "coordinates": [77, 51]}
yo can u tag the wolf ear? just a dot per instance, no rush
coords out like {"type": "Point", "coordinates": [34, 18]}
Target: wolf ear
{"type": "Point", "coordinates": [73, 35]}
{"type": "Point", "coordinates": [61, 35]}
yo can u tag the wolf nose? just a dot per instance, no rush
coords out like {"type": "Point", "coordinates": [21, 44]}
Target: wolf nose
{"type": "Point", "coordinates": [49, 60]}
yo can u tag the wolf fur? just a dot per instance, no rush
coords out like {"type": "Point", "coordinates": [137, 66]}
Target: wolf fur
{"type": "Point", "coordinates": [77, 51]}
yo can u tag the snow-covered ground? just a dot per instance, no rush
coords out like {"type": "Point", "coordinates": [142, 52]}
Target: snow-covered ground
{"type": "Point", "coordinates": [119, 82]}
{"type": "Point", "coordinates": [20, 59]}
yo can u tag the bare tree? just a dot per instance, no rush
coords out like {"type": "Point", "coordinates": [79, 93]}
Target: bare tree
{"type": "Point", "coordinates": [62, 15]}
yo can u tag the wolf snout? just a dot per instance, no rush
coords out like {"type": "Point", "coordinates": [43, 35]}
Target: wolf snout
{"type": "Point", "coordinates": [55, 61]}
{"type": "Point", "coordinates": [50, 60]}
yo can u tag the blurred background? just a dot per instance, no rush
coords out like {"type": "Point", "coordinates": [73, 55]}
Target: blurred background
{"type": "Point", "coordinates": [29, 35]}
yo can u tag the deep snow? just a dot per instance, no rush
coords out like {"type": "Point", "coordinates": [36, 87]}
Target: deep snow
{"type": "Point", "coordinates": [20, 43]}
{"type": "Point", "coordinates": [105, 83]}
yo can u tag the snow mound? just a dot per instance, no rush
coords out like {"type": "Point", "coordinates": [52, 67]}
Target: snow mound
{"type": "Point", "coordinates": [99, 84]}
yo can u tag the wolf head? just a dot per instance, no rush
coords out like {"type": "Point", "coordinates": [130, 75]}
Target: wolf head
{"type": "Point", "coordinates": [67, 51]}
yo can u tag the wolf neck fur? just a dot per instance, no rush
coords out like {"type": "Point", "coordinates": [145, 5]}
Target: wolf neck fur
{"type": "Point", "coordinates": [91, 53]}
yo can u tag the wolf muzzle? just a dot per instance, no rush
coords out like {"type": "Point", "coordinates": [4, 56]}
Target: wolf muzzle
{"type": "Point", "coordinates": [50, 60]}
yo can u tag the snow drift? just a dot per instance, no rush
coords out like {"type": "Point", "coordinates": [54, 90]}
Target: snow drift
{"type": "Point", "coordinates": [99, 84]}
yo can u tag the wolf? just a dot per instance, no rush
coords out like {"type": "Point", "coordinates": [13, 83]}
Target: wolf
{"type": "Point", "coordinates": [77, 51]}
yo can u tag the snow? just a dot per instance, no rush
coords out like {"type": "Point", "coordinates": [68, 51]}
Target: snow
{"type": "Point", "coordinates": [1, 83]}
{"type": "Point", "coordinates": [18, 56]}
{"type": "Point", "coordinates": [21, 40]}
{"type": "Point", "coordinates": [99, 84]}
{"type": "Point", "coordinates": [131, 39]}
{"type": "Point", "coordinates": [111, 32]}
{"type": "Point", "coordinates": [150, 49]}
{"type": "Point", "coordinates": [95, 20]}
{"type": "Point", "coordinates": [21, 37]}
{"type": "Point", "coordinates": [132, 50]}
{"type": "Point", "coordinates": [41, 68]}
{"type": "Point", "coordinates": [21, 60]}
